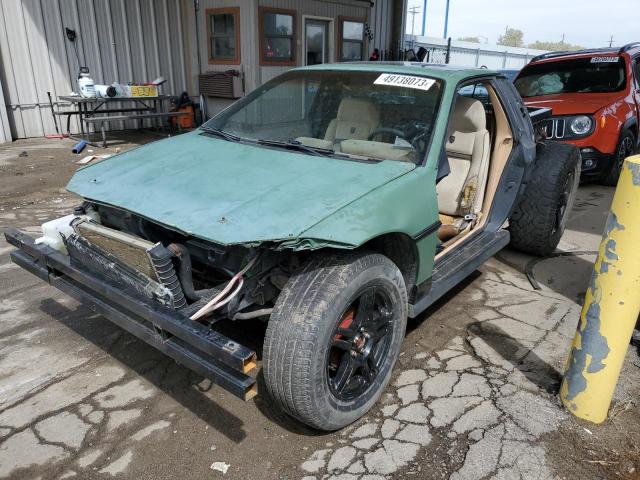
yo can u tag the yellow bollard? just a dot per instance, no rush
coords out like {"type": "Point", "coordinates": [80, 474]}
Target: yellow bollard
{"type": "Point", "coordinates": [611, 306]}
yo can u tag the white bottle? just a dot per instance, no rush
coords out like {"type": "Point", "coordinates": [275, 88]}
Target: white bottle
{"type": "Point", "coordinates": [53, 230]}
{"type": "Point", "coordinates": [86, 86]}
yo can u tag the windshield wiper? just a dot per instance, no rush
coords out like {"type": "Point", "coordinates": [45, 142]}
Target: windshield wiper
{"type": "Point", "coordinates": [222, 133]}
{"type": "Point", "coordinates": [296, 145]}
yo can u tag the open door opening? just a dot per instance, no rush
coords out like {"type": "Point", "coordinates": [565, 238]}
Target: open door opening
{"type": "Point", "coordinates": [478, 146]}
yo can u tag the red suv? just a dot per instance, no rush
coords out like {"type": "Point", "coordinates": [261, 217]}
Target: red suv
{"type": "Point", "coordinates": [594, 96]}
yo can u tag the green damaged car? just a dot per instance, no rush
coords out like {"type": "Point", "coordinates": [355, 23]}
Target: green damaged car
{"type": "Point", "coordinates": [332, 203]}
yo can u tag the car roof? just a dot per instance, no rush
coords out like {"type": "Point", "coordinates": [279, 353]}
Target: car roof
{"type": "Point", "coordinates": [434, 70]}
{"type": "Point", "coordinates": [630, 48]}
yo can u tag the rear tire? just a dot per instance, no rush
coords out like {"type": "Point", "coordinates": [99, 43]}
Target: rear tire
{"type": "Point", "coordinates": [539, 219]}
{"type": "Point", "coordinates": [625, 148]}
{"type": "Point", "coordinates": [311, 341]}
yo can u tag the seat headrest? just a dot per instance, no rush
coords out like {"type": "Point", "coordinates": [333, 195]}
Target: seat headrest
{"type": "Point", "coordinates": [468, 115]}
{"type": "Point", "coordinates": [357, 110]}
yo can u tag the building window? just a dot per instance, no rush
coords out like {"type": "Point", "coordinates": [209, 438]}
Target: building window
{"type": "Point", "coordinates": [277, 37]}
{"type": "Point", "coordinates": [351, 40]}
{"type": "Point", "coordinates": [223, 27]}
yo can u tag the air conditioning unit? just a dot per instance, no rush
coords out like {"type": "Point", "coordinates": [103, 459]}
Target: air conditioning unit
{"type": "Point", "coordinates": [227, 84]}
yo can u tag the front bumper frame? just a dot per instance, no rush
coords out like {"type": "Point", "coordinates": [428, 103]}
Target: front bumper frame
{"type": "Point", "coordinates": [197, 347]}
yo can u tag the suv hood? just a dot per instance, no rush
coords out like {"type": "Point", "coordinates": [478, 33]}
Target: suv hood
{"type": "Point", "coordinates": [227, 192]}
{"type": "Point", "coordinates": [573, 103]}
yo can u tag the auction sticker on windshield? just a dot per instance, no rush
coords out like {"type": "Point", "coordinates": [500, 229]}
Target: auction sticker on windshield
{"type": "Point", "coordinates": [408, 81]}
{"type": "Point", "coordinates": [604, 59]}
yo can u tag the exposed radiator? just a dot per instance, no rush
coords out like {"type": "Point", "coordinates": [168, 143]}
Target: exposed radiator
{"type": "Point", "coordinates": [146, 259]}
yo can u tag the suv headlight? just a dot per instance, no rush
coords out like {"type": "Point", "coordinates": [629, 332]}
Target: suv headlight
{"type": "Point", "coordinates": [580, 125]}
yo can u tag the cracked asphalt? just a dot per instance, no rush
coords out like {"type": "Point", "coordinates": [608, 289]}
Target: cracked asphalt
{"type": "Point", "coordinates": [474, 395]}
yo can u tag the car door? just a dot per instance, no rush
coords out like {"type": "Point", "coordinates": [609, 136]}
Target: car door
{"type": "Point", "coordinates": [522, 155]}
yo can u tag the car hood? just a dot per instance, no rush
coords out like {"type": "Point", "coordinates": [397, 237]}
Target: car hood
{"type": "Point", "coordinates": [573, 103]}
{"type": "Point", "coordinates": [227, 192]}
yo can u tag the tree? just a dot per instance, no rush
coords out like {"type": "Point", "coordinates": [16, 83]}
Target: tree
{"type": "Point", "coordinates": [554, 46]}
{"type": "Point", "coordinates": [469, 39]}
{"type": "Point", "coordinates": [512, 38]}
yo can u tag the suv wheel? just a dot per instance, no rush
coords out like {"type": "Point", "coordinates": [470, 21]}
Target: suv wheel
{"type": "Point", "coordinates": [541, 214]}
{"type": "Point", "coordinates": [625, 148]}
{"type": "Point", "coordinates": [334, 337]}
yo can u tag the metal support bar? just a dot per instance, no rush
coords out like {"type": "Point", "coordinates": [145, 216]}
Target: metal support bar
{"type": "Point", "coordinates": [239, 384]}
{"type": "Point", "coordinates": [193, 333]}
{"type": "Point", "coordinates": [610, 308]}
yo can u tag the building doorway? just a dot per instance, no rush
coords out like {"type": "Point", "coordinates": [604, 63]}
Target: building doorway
{"type": "Point", "coordinates": [317, 45]}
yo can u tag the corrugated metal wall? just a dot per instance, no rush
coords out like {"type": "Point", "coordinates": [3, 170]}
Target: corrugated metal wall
{"type": "Point", "coordinates": [137, 40]}
{"type": "Point", "coordinates": [5, 131]}
{"type": "Point", "coordinates": [382, 25]}
{"type": "Point", "coordinates": [119, 40]}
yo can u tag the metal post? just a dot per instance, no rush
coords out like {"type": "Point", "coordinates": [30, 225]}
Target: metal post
{"type": "Point", "coordinates": [610, 309]}
{"type": "Point", "coordinates": [424, 17]}
{"type": "Point", "coordinates": [446, 21]}
{"type": "Point", "coordinates": [448, 55]}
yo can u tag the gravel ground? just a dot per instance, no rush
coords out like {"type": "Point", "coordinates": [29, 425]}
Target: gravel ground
{"type": "Point", "coordinates": [474, 393]}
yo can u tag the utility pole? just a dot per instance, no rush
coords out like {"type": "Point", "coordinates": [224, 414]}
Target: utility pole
{"type": "Point", "coordinates": [611, 41]}
{"type": "Point", "coordinates": [446, 20]}
{"type": "Point", "coordinates": [413, 11]}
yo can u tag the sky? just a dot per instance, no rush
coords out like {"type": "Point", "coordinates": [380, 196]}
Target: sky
{"type": "Point", "coordinates": [589, 23]}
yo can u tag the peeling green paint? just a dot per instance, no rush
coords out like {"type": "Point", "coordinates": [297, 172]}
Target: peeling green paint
{"type": "Point", "coordinates": [635, 172]}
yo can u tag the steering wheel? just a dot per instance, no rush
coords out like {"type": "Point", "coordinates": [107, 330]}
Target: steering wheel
{"type": "Point", "coordinates": [393, 131]}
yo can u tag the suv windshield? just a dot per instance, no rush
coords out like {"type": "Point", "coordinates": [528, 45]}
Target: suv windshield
{"type": "Point", "coordinates": [377, 116]}
{"type": "Point", "coordinates": [581, 75]}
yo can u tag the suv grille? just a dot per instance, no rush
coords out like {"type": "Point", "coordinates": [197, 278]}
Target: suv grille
{"type": "Point", "coordinates": [554, 128]}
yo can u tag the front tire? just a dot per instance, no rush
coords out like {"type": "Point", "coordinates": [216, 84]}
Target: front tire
{"type": "Point", "coordinates": [334, 336]}
{"type": "Point", "coordinates": [625, 148]}
{"type": "Point", "coordinates": [540, 217]}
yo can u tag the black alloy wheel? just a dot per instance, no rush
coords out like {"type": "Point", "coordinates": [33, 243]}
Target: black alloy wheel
{"type": "Point", "coordinates": [360, 344]}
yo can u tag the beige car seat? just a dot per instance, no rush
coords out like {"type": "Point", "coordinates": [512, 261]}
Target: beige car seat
{"type": "Point", "coordinates": [468, 149]}
{"type": "Point", "coordinates": [356, 119]}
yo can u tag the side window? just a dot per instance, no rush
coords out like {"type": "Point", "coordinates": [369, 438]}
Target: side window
{"type": "Point", "coordinates": [636, 70]}
{"type": "Point", "coordinates": [223, 27]}
{"type": "Point", "coordinates": [352, 40]}
{"type": "Point", "coordinates": [277, 36]}
{"type": "Point", "coordinates": [477, 91]}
